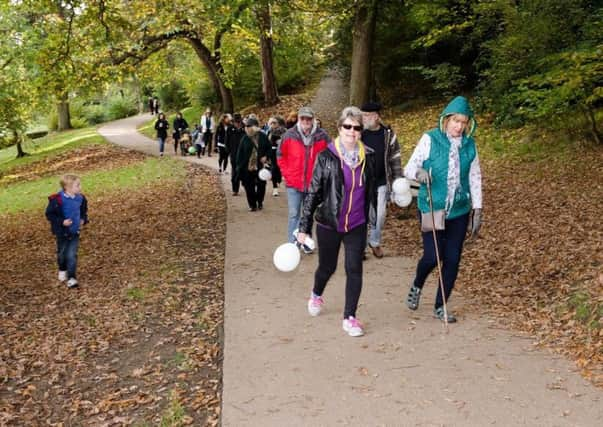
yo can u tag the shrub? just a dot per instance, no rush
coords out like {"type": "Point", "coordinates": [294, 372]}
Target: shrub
{"type": "Point", "coordinates": [119, 107]}
{"type": "Point", "coordinates": [173, 96]}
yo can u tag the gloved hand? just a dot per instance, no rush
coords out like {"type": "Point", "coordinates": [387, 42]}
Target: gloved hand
{"type": "Point", "coordinates": [423, 176]}
{"type": "Point", "coordinates": [475, 224]}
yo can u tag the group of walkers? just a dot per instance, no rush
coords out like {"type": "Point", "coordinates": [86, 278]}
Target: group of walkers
{"type": "Point", "coordinates": [347, 192]}
{"type": "Point", "coordinates": [344, 186]}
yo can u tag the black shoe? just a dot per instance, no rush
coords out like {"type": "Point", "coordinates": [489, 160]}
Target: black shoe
{"type": "Point", "coordinates": [439, 313]}
{"type": "Point", "coordinates": [413, 298]}
{"type": "Point", "coordinates": [260, 207]}
{"type": "Point", "coordinates": [252, 209]}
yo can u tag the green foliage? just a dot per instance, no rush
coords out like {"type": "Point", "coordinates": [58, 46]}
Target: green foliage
{"type": "Point", "coordinates": [173, 96]}
{"type": "Point", "coordinates": [119, 107]}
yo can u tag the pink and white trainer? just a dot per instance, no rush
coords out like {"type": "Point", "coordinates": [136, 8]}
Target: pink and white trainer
{"type": "Point", "coordinates": [315, 304]}
{"type": "Point", "coordinates": [353, 327]}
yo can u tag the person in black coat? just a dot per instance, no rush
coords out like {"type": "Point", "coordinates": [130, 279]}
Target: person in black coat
{"type": "Point", "coordinates": [223, 134]}
{"type": "Point", "coordinates": [254, 152]}
{"type": "Point", "coordinates": [161, 126]}
{"type": "Point", "coordinates": [180, 125]}
{"type": "Point", "coordinates": [238, 132]}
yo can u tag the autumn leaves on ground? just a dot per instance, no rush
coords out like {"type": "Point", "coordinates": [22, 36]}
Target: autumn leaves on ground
{"type": "Point", "coordinates": [139, 342]}
{"type": "Point", "coordinates": [537, 266]}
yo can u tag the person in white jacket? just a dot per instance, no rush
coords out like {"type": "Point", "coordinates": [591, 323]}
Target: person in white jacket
{"type": "Point", "coordinates": [208, 129]}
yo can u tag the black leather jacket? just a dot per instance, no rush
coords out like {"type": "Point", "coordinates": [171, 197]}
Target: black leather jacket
{"type": "Point", "coordinates": [325, 195]}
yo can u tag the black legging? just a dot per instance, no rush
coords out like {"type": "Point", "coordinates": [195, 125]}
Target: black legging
{"type": "Point", "coordinates": [329, 242]}
{"type": "Point", "coordinates": [176, 141]}
{"type": "Point", "coordinates": [255, 190]}
{"type": "Point", "coordinates": [207, 138]}
{"type": "Point", "coordinates": [223, 159]}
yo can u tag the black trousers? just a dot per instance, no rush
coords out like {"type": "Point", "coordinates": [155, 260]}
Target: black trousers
{"type": "Point", "coordinates": [329, 242]}
{"type": "Point", "coordinates": [450, 245]}
{"type": "Point", "coordinates": [255, 189]}
{"type": "Point", "coordinates": [222, 159]}
{"type": "Point", "coordinates": [234, 177]}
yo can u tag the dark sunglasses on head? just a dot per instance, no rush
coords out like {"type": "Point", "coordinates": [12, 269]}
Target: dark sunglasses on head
{"type": "Point", "coordinates": [347, 126]}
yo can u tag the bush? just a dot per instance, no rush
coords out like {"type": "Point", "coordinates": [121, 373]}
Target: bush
{"type": "Point", "coordinates": [94, 114]}
{"type": "Point", "coordinates": [173, 96]}
{"type": "Point", "coordinates": [120, 107]}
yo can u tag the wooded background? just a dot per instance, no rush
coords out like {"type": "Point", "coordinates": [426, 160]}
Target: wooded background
{"type": "Point", "coordinates": [72, 63]}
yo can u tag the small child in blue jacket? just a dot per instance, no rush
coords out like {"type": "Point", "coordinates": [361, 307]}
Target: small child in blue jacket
{"type": "Point", "coordinates": [67, 211]}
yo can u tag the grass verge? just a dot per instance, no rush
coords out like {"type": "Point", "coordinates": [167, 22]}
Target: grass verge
{"type": "Point", "coordinates": [53, 144]}
{"type": "Point", "coordinates": [27, 196]}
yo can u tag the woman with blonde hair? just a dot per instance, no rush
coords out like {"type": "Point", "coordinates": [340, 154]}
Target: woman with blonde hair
{"type": "Point", "coordinates": [446, 160]}
{"type": "Point", "coordinates": [341, 193]}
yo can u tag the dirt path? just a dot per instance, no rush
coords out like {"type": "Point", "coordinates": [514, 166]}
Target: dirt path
{"type": "Point", "coordinates": [282, 367]}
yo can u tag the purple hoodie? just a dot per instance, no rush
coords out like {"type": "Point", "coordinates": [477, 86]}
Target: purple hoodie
{"type": "Point", "coordinates": [352, 206]}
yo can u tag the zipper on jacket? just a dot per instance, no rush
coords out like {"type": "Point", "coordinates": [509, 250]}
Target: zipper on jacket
{"type": "Point", "coordinates": [306, 161]}
{"type": "Point", "coordinates": [347, 215]}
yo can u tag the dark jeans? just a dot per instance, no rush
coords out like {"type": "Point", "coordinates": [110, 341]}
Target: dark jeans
{"type": "Point", "coordinates": [67, 254]}
{"type": "Point", "coordinates": [199, 149]}
{"type": "Point", "coordinates": [255, 189]}
{"type": "Point", "coordinates": [450, 245]}
{"type": "Point", "coordinates": [234, 178]}
{"type": "Point", "coordinates": [354, 243]}
{"type": "Point", "coordinates": [223, 159]}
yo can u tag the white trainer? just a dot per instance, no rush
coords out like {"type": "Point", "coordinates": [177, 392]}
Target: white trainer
{"type": "Point", "coordinates": [275, 192]}
{"type": "Point", "coordinates": [315, 305]}
{"type": "Point", "coordinates": [72, 283]}
{"type": "Point", "coordinates": [62, 276]}
{"type": "Point", "coordinates": [353, 327]}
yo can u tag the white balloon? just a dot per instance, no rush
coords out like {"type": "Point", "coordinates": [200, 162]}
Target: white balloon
{"type": "Point", "coordinates": [265, 175]}
{"type": "Point", "coordinates": [401, 185]}
{"type": "Point", "coordinates": [403, 199]}
{"type": "Point", "coordinates": [286, 257]}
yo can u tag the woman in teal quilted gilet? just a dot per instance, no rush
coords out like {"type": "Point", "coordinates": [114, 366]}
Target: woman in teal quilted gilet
{"type": "Point", "coordinates": [447, 157]}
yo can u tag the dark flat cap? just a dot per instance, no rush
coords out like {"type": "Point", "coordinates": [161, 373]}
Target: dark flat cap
{"type": "Point", "coordinates": [251, 121]}
{"type": "Point", "coordinates": [370, 107]}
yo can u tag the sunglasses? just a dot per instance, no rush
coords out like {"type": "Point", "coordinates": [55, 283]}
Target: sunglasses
{"type": "Point", "coordinates": [347, 126]}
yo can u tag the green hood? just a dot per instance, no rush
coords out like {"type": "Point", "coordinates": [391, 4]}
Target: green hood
{"type": "Point", "coordinates": [459, 105]}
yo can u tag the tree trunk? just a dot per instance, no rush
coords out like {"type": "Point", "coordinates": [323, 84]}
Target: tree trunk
{"type": "Point", "coordinates": [213, 70]}
{"type": "Point", "coordinates": [64, 122]}
{"type": "Point", "coordinates": [266, 53]}
{"type": "Point", "coordinates": [18, 142]}
{"type": "Point", "coordinates": [590, 115]}
{"type": "Point", "coordinates": [362, 51]}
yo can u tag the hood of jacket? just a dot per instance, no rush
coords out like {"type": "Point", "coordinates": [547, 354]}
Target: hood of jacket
{"type": "Point", "coordinates": [459, 105]}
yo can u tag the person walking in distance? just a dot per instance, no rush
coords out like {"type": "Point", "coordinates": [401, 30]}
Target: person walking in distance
{"type": "Point", "coordinates": [275, 134]}
{"type": "Point", "coordinates": [223, 134]}
{"type": "Point", "coordinates": [151, 106]}
{"type": "Point", "coordinates": [238, 131]}
{"type": "Point", "coordinates": [156, 105]}
{"type": "Point", "coordinates": [446, 159]}
{"type": "Point", "coordinates": [298, 150]}
{"type": "Point", "coordinates": [208, 127]}
{"type": "Point", "coordinates": [384, 143]}
{"type": "Point", "coordinates": [342, 192]}
{"type": "Point", "coordinates": [161, 127]}
{"type": "Point", "coordinates": [253, 154]}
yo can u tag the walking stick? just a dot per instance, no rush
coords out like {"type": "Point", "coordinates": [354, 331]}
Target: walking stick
{"type": "Point", "coordinates": [437, 251]}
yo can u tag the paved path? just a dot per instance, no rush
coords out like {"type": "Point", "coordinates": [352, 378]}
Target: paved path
{"type": "Point", "coordinates": [282, 367]}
